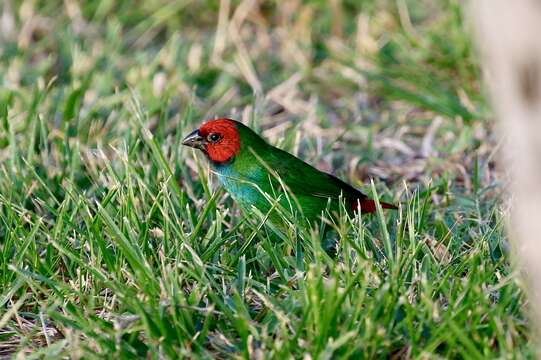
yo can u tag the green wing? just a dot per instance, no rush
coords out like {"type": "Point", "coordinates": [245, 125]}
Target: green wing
{"type": "Point", "coordinates": [304, 179]}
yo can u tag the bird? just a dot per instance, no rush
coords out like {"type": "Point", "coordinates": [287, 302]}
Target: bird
{"type": "Point", "coordinates": [259, 175]}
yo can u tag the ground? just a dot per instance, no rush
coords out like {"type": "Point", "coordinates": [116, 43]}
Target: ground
{"type": "Point", "coordinates": [117, 242]}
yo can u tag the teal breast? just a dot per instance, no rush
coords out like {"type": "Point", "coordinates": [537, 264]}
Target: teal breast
{"type": "Point", "coordinates": [241, 188]}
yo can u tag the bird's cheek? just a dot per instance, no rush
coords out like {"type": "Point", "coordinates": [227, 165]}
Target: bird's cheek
{"type": "Point", "coordinates": [219, 153]}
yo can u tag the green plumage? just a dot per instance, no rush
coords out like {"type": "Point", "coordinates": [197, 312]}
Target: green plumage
{"type": "Point", "coordinates": [259, 172]}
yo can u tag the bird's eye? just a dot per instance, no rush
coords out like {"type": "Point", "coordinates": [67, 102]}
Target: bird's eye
{"type": "Point", "coordinates": [214, 137]}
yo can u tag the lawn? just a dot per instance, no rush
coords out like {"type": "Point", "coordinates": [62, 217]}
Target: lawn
{"type": "Point", "coordinates": [117, 242]}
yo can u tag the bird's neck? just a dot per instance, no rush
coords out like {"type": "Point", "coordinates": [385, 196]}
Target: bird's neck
{"type": "Point", "coordinates": [245, 165]}
{"type": "Point", "coordinates": [235, 164]}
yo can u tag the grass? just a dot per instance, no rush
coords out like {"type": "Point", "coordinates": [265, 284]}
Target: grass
{"type": "Point", "coordinates": [116, 242]}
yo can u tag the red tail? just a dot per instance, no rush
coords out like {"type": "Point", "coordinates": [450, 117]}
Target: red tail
{"type": "Point", "coordinates": [369, 206]}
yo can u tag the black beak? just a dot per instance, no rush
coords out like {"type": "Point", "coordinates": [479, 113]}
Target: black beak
{"type": "Point", "coordinates": [194, 140]}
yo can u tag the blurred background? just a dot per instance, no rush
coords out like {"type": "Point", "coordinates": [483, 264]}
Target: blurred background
{"type": "Point", "coordinates": [95, 97]}
{"type": "Point", "coordinates": [394, 83]}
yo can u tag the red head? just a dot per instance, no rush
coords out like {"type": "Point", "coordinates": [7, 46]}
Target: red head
{"type": "Point", "coordinates": [219, 139]}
